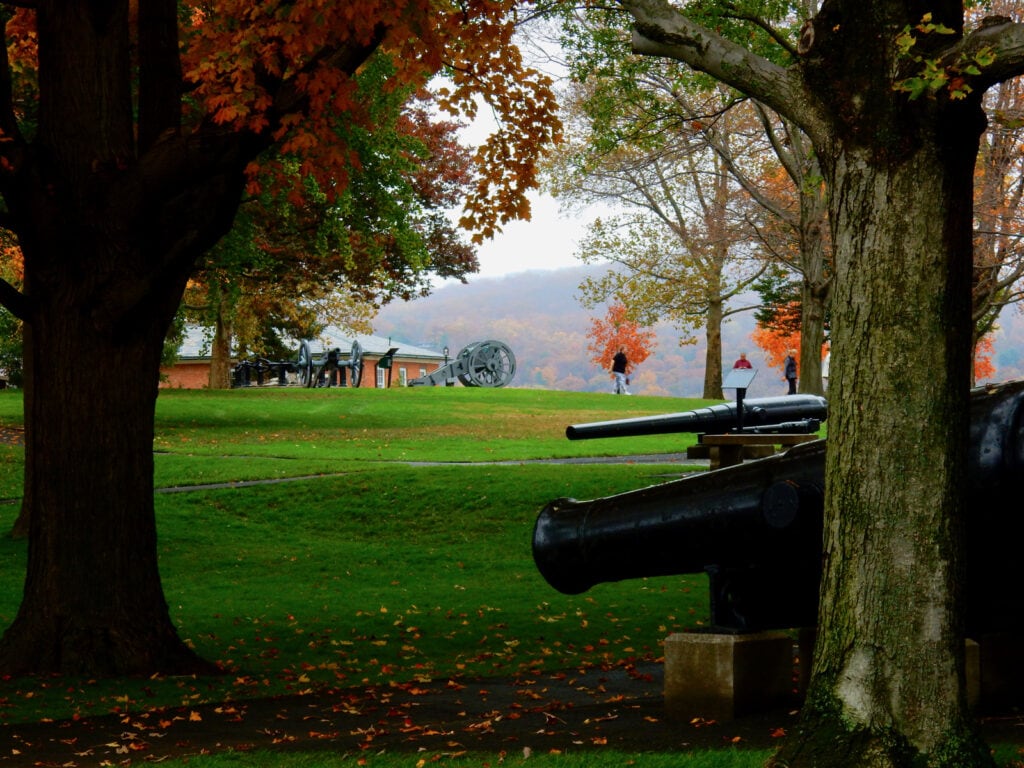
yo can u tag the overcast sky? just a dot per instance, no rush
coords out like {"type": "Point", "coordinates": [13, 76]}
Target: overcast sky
{"type": "Point", "coordinates": [548, 241]}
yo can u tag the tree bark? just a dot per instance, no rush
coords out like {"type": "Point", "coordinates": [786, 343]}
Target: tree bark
{"type": "Point", "coordinates": [713, 354]}
{"type": "Point", "coordinates": [220, 352]}
{"type": "Point", "coordinates": [888, 678]}
{"type": "Point", "coordinates": [93, 602]}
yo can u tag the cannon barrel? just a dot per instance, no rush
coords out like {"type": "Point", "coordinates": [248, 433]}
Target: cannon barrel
{"type": "Point", "coordinates": [715, 418]}
{"type": "Point", "coordinates": [755, 529]}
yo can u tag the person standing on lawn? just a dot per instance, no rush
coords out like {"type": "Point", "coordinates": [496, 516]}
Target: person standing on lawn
{"type": "Point", "coordinates": [790, 367]}
{"type": "Point", "coordinates": [620, 366]}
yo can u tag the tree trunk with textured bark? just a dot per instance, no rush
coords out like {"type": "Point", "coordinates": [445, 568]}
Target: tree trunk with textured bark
{"type": "Point", "coordinates": [888, 680]}
{"type": "Point", "coordinates": [93, 602]}
{"type": "Point", "coordinates": [713, 354]}
{"type": "Point", "coordinates": [220, 352]}
{"type": "Point", "coordinates": [887, 687]}
{"type": "Point", "coordinates": [111, 216]}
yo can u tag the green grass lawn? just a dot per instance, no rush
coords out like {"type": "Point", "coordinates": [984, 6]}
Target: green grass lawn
{"type": "Point", "coordinates": [393, 543]}
{"type": "Point", "coordinates": [392, 558]}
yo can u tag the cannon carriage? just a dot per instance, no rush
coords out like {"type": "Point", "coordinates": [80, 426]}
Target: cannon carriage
{"type": "Point", "coordinates": [480, 364]}
{"type": "Point", "coordinates": [329, 369]}
{"type": "Point", "coordinates": [326, 370]}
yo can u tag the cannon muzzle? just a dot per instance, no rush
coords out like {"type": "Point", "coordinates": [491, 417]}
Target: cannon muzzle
{"type": "Point", "coordinates": [716, 419]}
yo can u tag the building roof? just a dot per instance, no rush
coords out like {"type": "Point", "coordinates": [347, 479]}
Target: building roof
{"type": "Point", "coordinates": [374, 345]}
{"type": "Point", "coordinates": [196, 344]}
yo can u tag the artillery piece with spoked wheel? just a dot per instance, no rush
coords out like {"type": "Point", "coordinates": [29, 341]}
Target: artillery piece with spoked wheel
{"type": "Point", "coordinates": [330, 369]}
{"type": "Point", "coordinates": [481, 364]}
{"type": "Point", "coordinates": [327, 370]}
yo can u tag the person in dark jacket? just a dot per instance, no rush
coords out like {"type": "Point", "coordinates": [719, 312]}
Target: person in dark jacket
{"type": "Point", "coordinates": [790, 367]}
{"type": "Point", "coordinates": [620, 365]}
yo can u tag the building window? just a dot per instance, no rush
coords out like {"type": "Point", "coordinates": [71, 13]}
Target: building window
{"type": "Point", "coordinates": [382, 381]}
{"type": "Point", "coordinates": [403, 377]}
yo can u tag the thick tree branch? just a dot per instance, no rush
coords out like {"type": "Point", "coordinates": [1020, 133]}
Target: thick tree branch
{"type": "Point", "coordinates": [15, 301]}
{"type": "Point", "coordinates": [661, 30]}
{"type": "Point", "coordinates": [159, 71]}
{"type": "Point", "coordinates": [1001, 36]}
{"type": "Point", "coordinates": [177, 173]}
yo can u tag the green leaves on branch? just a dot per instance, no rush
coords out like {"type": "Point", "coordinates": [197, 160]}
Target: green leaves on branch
{"type": "Point", "coordinates": [934, 75]}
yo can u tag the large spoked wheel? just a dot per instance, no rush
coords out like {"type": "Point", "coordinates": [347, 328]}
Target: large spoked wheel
{"type": "Point", "coordinates": [304, 365]}
{"type": "Point", "coordinates": [355, 364]}
{"type": "Point", "coordinates": [487, 364]}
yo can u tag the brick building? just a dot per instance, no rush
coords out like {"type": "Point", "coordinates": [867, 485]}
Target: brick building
{"type": "Point", "coordinates": [192, 369]}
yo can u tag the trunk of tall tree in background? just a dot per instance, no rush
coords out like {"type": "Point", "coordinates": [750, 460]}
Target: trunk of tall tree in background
{"type": "Point", "coordinates": [220, 350]}
{"type": "Point", "coordinates": [713, 354]}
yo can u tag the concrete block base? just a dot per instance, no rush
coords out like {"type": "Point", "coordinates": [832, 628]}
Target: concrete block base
{"type": "Point", "coordinates": [722, 677]}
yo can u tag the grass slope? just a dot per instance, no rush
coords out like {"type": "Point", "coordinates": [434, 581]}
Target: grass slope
{"type": "Point", "coordinates": [391, 559]}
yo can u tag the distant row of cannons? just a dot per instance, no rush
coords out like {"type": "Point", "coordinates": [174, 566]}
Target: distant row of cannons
{"type": "Point", "coordinates": [480, 364]}
{"type": "Point", "coordinates": [330, 369]}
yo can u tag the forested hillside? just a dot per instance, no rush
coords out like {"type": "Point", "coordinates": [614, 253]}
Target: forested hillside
{"type": "Point", "coordinates": [538, 316]}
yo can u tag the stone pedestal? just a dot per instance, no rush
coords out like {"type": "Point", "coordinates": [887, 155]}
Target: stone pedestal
{"type": "Point", "coordinates": [721, 677]}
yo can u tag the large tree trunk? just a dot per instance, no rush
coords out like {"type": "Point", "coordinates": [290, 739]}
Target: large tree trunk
{"type": "Point", "coordinates": [887, 687]}
{"type": "Point", "coordinates": [110, 222]}
{"type": "Point", "coordinates": [93, 602]}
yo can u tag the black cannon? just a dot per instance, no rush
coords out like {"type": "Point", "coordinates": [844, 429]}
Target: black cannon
{"type": "Point", "coordinates": [260, 371]}
{"type": "Point", "coordinates": [480, 364]}
{"type": "Point", "coordinates": [755, 529]}
{"type": "Point", "coordinates": [329, 369]}
{"type": "Point", "coordinates": [793, 413]}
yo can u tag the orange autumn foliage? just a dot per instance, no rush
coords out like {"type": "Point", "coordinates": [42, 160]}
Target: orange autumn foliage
{"type": "Point", "coordinates": [777, 339]}
{"type": "Point", "coordinates": [614, 331]}
{"type": "Point", "coordinates": [776, 344]}
{"type": "Point", "coordinates": [237, 54]}
{"type": "Point", "coordinates": [286, 72]}
{"type": "Point", "coordinates": [984, 368]}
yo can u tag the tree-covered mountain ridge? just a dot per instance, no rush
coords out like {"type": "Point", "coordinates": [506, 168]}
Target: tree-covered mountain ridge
{"type": "Point", "coordinates": [538, 315]}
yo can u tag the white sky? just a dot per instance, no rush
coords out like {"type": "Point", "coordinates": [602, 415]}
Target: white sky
{"type": "Point", "coordinates": [548, 240]}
